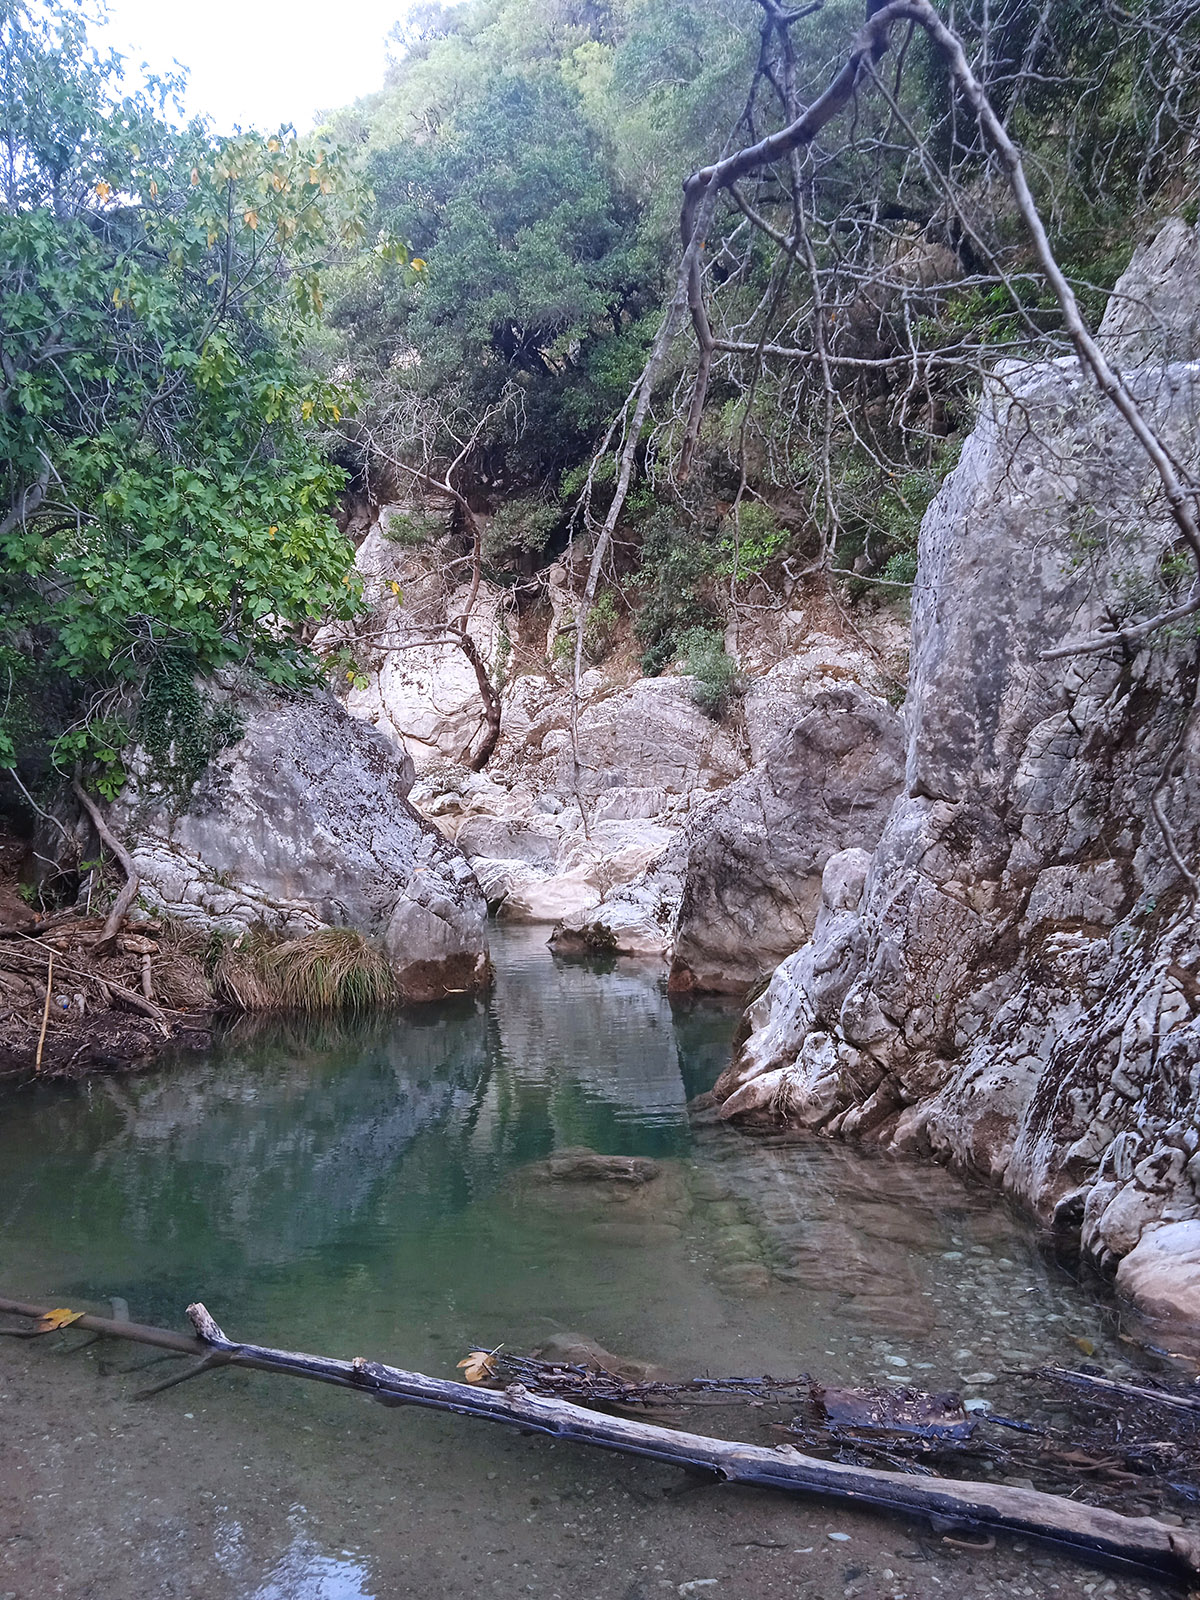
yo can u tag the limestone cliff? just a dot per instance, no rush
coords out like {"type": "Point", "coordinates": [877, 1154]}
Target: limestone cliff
{"type": "Point", "coordinates": [828, 761]}
{"type": "Point", "coordinates": [1009, 980]}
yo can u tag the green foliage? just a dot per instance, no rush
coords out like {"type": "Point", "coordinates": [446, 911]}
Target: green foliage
{"type": "Point", "coordinates": [414, 529]}
{"type": "Point", "coordinates": [533, 266]}
{"type": "Point", "coordinates": [166, 493]}
{"type": "Point", "coordinates": [714, 674]}
{"type": "Point", "coordinates": [180, 729]}
{"type": "Point", "coordinates": [96, 745]}
{"type": "Point", "coordinates": [749, 548]}
{"type": "Point", "coordinates": [532, 152]}
{"type": "Point", "coordinates": [342, 667]}
{"type": "Point", "coordinates": [600, 627]}
{"type": "Point", "coordinates": [526, 522]}
{"type": "Point", "coordinates": [675, 568]}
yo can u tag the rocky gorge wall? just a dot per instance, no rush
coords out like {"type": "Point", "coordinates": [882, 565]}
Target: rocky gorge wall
{"type": "Point", "coordinates": [628, 820]}
{"type": "Point", "coordinates": [1008, 980]}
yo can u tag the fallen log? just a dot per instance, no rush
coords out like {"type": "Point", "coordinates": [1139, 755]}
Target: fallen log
{"type": "Point", "coordinates": [1087, 1532]}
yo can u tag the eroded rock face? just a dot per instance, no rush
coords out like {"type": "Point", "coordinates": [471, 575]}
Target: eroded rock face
{"type": "Point", "coordinates": [547, 844]}
{"type": "Point", "coordinates": [304, 824]}
{"type": "Point", "coordinates": [420, 689]}
{"type": "Point", "coordinates": [831, 764]}
{"type": "Point", "coordinates": [1009, 980]}
{"type": "Point", "coordinates": [650, 736]}
{"type": "Point", "coordinates": [737, 887]}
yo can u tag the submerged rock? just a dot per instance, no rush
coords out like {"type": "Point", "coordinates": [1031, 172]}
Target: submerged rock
{"type": "Point", "coordinates": [1009, 980]}
{"type": "Point", "coordinates": [304, 824]}
{"type": "Point", "coordinates": [578, 1350]}
{"type": "Point", "coordinates": [579, 1164]}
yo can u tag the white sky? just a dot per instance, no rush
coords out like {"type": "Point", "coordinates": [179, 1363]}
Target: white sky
{"type": "Point", "coordinates": [259, 62]}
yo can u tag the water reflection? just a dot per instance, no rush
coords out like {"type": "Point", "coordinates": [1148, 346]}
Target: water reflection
{"type": "Point", "coordinates": [296, 1144]}
{"type": "Point", "coordinates": [306, 1573]}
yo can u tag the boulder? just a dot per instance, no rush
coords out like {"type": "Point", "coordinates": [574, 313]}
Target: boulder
{"type": "Point", "coordinates": [634, 919]}
{"type": "Point", "coordinates": [16, 916]}
{"type": "Point", "coordinates": [1161, 1274]}
{"type": "Point", "coordinates": [304, 824]}
{"type": "Point", "coordinates": [420, 689]}
{"type": "Point", "coordinates": [651, 735]}
{"type": "Point", "coordinates": [1153, 315]}
{"type": "Point", "coordinates": [1016, 990]}
{"type": "Point", "coordinates": [737, 887]}
{"type": "Point", "coordinates": [547, 869]}
{"type": "Point", "coordinates": [832, 763]}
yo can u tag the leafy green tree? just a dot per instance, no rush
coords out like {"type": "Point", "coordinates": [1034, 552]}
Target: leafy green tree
{"type": "Point", "coordinates": [166, 498]}
{"type": "Point", "coordinates": [533, 269]}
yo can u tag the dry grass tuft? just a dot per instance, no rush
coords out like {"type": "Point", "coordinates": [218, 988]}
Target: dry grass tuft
{"type": "Point", "coordinates": [238, 981]}
{"type": "Point", "coordinates": [181, 981]}
{"type": "Point", "coordinates": [332, 970]}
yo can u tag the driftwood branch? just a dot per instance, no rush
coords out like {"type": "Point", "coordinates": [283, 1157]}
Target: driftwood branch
{"type": "Point", "coordinates": [1101, 1386]}
{"type": "Point", "coordinates": [128, 894]}
{"type": "Point", "coordinates": [1088, 1532]}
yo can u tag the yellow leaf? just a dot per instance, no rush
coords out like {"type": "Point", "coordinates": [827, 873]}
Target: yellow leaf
{"type": "Point", "coordinates": [337, 415]}
{"type": "Point", "coordinates": [60, 1317]}
{"type": "Point", "coordinates": [272, 145]}
{"type": "Point", "coordinates": [103, 190]}
{"type": "Point", "coordinates": [272, 531]}
{"type": "Point", "coordinates": [153, 190]}
{"type": "Point", "coordinates": [418, 263]}
{"type": "Point", "coordinates": [1085, 1344]}
{"type": "Point", "coordinates": [250, 218]}
{"type": "Point", "coordinates": [479, 1366]}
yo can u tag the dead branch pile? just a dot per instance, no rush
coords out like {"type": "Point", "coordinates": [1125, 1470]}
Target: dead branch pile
{"type": "Point", "coordinates": [73, 999]}
{"type": "Point", "coordinates": [1096, 1439]}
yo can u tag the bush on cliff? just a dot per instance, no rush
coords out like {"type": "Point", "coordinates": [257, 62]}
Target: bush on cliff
{"type": "Point", "coordinates": [165, 490]}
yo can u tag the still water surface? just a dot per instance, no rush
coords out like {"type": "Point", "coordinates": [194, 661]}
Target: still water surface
{"type": "Point", "coordinates": [376, 1189]}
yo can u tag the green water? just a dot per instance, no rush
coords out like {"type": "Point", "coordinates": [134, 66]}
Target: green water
{"type": "Point", "coordinates": [377, 1189]}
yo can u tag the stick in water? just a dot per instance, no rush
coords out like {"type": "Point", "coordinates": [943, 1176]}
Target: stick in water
{"type": "Point", "coordinates": [37, 1065]}
{"type": "Point", "coordinates": [1090, 1533]}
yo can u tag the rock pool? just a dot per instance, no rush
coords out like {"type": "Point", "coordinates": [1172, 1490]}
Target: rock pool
{"type": "Point", "coordinates": [381, 1188]}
